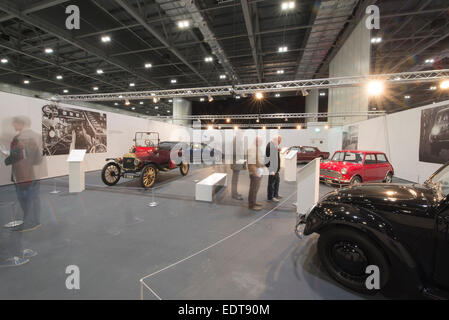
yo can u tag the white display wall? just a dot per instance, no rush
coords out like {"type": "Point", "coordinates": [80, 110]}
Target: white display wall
{"type": "Point", "coordinates": [120, 134]}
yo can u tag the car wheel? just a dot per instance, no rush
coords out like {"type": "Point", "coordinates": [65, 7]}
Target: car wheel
{"type": "Point", "coordinates": [346, 253]}
{"type": "Point", "coordinates": [148, 176]}
{"type": "Point", "coordinates": [184, 168]}
{"type": "Point", "coordinates": [111, 173]}
{"type": "Point", "coordinates": [389, 178]}
{"type": "Point", "coordinates": [356, 180]}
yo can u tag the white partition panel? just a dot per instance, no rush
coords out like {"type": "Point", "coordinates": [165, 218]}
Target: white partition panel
{"type": "Point", "coordinates": [308, 186]}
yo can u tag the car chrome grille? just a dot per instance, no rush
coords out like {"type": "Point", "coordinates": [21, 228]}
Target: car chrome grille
{"type": "Point", "coordinates": [330, 173]}
{"type": "Point", "coordinates": [128, 163]}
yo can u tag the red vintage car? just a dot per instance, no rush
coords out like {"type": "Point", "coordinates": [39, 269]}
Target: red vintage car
{"type": "Point", "coordinates": [353, 167]}
{"type": "Point", "coordinates": [306, 153]}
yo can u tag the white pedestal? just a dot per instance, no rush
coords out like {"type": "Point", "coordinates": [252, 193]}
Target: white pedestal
{"type": "Point", "coordinates": [205, 189]}
{"type": "Point", "coordinates": [308, 186]}
{"type": "Point", "coordinates": [76, 171]}
{"type": "Point", "coordinates": [290, 170]}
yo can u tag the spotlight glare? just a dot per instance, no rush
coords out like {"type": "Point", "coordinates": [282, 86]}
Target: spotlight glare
{"type": "Point", "coordinates": [105, 39]}
{"type": "Point", "coordinates": [26, 81]}
{"type": "Point", "coordinates": [48, 50]}
{"type": "Point", "coordinates": [132, 84]}
{"type": "Point", "coordinates": [259, 95]}
{"type": "Point", "coordinates": [444, 85]}
{"type": "Point", "coordinates": [148, 65]}
{"type": "Point", "coordinates": [228, 120]}
{"type": "Point", "coordinates": [95, 88]}
{"type": "Point", "coordinates": [4, 60]}
{"type": "Point", "coordinates": [100, 71]}
{"type": "Point", "coordinates": [375, 87]}
{"type": "Point", "coordinates": [183, 24]}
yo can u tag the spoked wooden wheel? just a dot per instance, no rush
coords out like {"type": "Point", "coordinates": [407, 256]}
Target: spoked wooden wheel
{"type": "Point", "coordinates": [184, 168]}
{"type": "Point", "coordinates": [148, 176]}
{"type": "Point", "coordinates": [111, 173]}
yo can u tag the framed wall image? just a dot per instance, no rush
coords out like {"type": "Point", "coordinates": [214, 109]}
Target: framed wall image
{"type": "Point", "coordinates": [64, 129]}
{"type": "Point", "coordinates": [434, 135]}
{"type": "Point", "coordinates": [350, 139]}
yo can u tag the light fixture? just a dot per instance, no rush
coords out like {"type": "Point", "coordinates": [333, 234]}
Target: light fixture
{"type": "Point", "coordinates": [277, 95]}
{"type": "Point", "coordinates": [148, 65]}
{"type": "Point", "coordinates": [168, 111]}
{"type": "Point", "coordinates": [201, 99]}
{"type": "Point", "coordinates": [263, 128]}
{"type": "Point", "coordinates": [65, 91]}
{"type": "Point", "coordinates": [228, 120]}
{"type": "Point", "coordinates": [208, 59]}
{"type": "Point", "coordinates": [170, 100]}
{"type": "Point", "coordinates": [156, 100]}
{"type": "Point", "coordinates": [259, 95]}
{"type": "Point", "coordinates": [48, 50]}
{"type": "Point", "coordinates": [115, 104]}
{"type": "Point", "coordinates": [105, 39]}
{"type": "Point", "coordinates": [326, 127]}
{"type": "Point", "coordinates": [183, 24]}
{"type": "Point", "coordinates": [210, 127]}
{"type": "Point", "coordinates": [100, 71]}
{"type": "Point", "coordinates": [433, 87]}
{"type": "Point", "coordinates": [141, 102]}
{"type": "Point", "coordinates": [210, 98]}
{"type": "Point", "coordinates": [397, 78]}
{"type": "Point", "coordinates": [375, 87]}
{"type": "Point", "coordinates": [222, 76]}
{"type": "Point", "coordinates": [156, 107]}
{"type": "Point", "coordinates": [95, 88]}
{"type": "Point", "coordinates": [280, 72]}
{"type": "Point", "coordinates": [304, 92]}
{"type": "Point", "coordinates": [26, 81]}
{"type": "Point", "coordinates": [133, 108]}
{"type": "Point", "coordinates": [127, 103]}
{"type": "Point", "coordinates": [257, 120]}
{"type": "Point", "coordinates": [279, 127]}
{"type": "Point", "coordinates": [132, 84]}
{"type": "Point", "coordinates": [236, 127]}
{"type": "Point", "coordinates": [376, 40]}
{"type": "Point", "coordinates": [323, 94]}
{"type": "Point", "coordinates": [298, 127]}
{"type": "Point", "coordinates": [173, 81]}
{"type": "Point", "coordinates": [283, 49]}
{"type": "Point", "coordinates": [59, 77]}
{"type": "Point", "coordinates": [317, 129]}
{"type": "Point", "coordinates": [444, 85]}
{"type": "Point", "coordinates": [4, 60]}
{"type": "Point", "coordinates": [407, 97]}
{"type": "Point", "coordinates": [287, 5]}
{"type": "Point", "coordinates": [429, 61]}
{"type": "Point", "coordinates": [237, 97]}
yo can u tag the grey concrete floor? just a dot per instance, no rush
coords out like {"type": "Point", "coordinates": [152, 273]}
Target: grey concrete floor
{"type": "Point", "coordinates": [219, 250]}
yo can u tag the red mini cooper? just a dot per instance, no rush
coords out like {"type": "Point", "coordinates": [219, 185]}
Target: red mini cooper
{"type": "Point", "coordinates": [353, 167]}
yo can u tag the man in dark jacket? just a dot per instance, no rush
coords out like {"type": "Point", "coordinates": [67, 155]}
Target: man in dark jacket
{"type": "Point", "coordinates": [273, 163]}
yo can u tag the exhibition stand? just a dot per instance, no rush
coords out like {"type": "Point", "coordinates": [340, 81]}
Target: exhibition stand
{"type": "Point", "coordinates": [76, 171]}
{"type": "Point", "coordinates": [307, 186]}
{"type": "Point", "coordinates": [290, 160]}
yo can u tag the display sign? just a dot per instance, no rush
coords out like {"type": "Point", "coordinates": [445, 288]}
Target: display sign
{"type": "Point", "coordinates": [76, 155]}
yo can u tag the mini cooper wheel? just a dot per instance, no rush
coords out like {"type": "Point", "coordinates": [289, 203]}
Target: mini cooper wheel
{"type": "Point", "coordinates": [346, 254]}
{"type": "Point", "coordinates": [355, 181]}
{"type": "Point", "coordinates": [184, 168]}
{"type": "Point", "coordinates": [111, 173]}
{"type": "Point", "coordinates": [148, 176]}
{"type": "Point", "coordinates": [388, 178]}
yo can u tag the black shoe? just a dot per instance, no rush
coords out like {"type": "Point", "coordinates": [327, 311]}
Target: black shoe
{"type": "Point", "coordinates": [278, 197]}
{"type": "Point", "coordinates": [30, 228]}
{"type": "Point", "coordinates": [237, 197]}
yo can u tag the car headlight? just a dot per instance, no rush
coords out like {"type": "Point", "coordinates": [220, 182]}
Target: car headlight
{"type": "Point", "coordinates": [344, 171]}
{"type": "Point", "coordinates": [136, 162]}
{"type": "Point", "coordinates": [435, 131]}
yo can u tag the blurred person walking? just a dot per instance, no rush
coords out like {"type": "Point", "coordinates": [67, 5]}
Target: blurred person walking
{"type": "Point", "coordinates": [255, 165]}
{"type": "Point", "coordinates": [238, 164]}
{"type": "Point", "coordinates": [273, 163]}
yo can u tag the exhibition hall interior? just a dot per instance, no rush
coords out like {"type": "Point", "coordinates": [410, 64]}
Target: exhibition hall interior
{"type": "Point", "coordinates": [224, 149]}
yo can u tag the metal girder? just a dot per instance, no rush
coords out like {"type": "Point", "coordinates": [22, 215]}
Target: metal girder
{"type": "Point", "coordinates": [247, 14]}
{"type": "Point", "coordinates": [34, 8]}
{"type": "Point", "coordinates": [12, 9]}
{"type": "Point", "coordinates": [136, 15]}
{"type": "Point", "coordinates": [391, 78]}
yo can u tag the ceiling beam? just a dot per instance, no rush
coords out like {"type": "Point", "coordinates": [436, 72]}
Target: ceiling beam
{"type": "Point", "coordinates": [12, 9]}
{"type": "Point", "coordinates": [136, 15]}
{"type": "Point", "coordinates": [248, 16]}
{"type": "Point", "coordinates": [34, 8]}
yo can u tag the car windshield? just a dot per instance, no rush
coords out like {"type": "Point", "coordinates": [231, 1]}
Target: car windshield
{"type": "Point", "coordinates": [440, 182]}
{"type": "Point", "coordinates": [353, 157]}
{"type": "Point", "coordinates": [147, 139]}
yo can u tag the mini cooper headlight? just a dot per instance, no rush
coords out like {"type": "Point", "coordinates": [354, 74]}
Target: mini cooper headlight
{"type": "Point", "coordinates": [136, 162]}
{"type": "Point", "coordinates": [344, 171]}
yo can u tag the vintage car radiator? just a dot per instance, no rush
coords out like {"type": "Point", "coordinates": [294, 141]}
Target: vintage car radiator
{"type": "Point", "coordinates": [128, 163]}
{"type": "Point", "coordinates": [330, 173]}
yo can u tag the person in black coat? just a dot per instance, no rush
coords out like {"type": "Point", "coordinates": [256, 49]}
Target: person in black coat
{"type": "Point", "coordinates": [273, 163]}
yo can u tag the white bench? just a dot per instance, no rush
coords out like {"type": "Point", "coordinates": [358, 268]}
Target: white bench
{"type": "Point", "coordinates": [205, 189]}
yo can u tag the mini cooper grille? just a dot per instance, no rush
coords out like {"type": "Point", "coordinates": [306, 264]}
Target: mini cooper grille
{"type": "Point", "coordinates": [330, 173]}
{"type": "Point", "coordinates": [128, 163]}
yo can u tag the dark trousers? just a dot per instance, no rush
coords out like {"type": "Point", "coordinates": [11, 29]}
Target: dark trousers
{"type": "Point", "coordinates": [273, 186]}
{"type": "Point", "coordinates": [235, 181]}
{"type": "Point", "coordinates": [30, 202]}
{"type": "Point", "coordinates": [254, 186]}
{"type": "Point", "coordinates": [10, 241]}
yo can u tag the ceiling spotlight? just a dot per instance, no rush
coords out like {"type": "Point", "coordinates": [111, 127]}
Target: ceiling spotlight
{"type": "Point", "coordinates": [4, 60]}
{"type": "Point", "coordinates": [168, 111]}
{"type": "Point", "coordinates": [228, 120]}
{"type": "Point", "coordinates": [100, 71]}
{"type": "Point", "coordinates": [304, 92]}
{"type": "Point", "coordinates": [208, 59]}
{"type": "Point", "coordinates": [141, 102]}
{"type": "Point", "coordinates": [173, 81]}
{"type": "Point", "coordinates": [259, 95]}
{"type": "Point", "coordinates": [120, 96]}
{"type": "Point", "coordinates": [127, 103]}
{"type": "Point", "coordinates": [156, 107]}
{"type": "Point", "coordinates": [397, 78]}
{"type": "Point", "coordinates": [222, 76]}
{"type": "Point", "coordinates": [277, 95]}
{"type": "Point", "coordinates": [156, 99]}
{"type": "Point", "coordinates": [133, 108]}
{"type": "Point", "coordinates": [148, 65]}
{"type": "Point", "coordinates": [298, 127]}
{"type": "Point", "coordinates": [170, 100]}
{"type": "Point", "coordinates": [26, 81]}
{"type": "Point", "coordinates": [375, 87]}
{"type": "Point", "coordinates": [433, 87]}
{"type": "Point", "coordinates": [210, 98]}
{"type": "Point", "coordinates": [407, 97]}
{"type": "Point", "coordinates": [95, 88]}
{"type": "Point", "coordinates": [236, 127]}
{"type": "Point", "coordinates": [429, 61]}
{"type": "Point", "coordinates": [283, 49]}
{"type": "Point", "coordinates": [323, 94]}
{"type": "Point", "coordinates": [376, 40]}
{"type": "Point", "coordinates": [280, 72]}
{"type": "Point", "coordinates": [257, 120]}
{"type": "Point", "coordinates": [48, 50]}
{"type": "Point", "coordinates": [201, 99]}
{"type": "Point", "coordinates": [65, 91]}
{"type": "Point", "coordinates": [115, 104]}
{"type": "Point", "coordinates": [237, 97]}
{"type": "Point", "coordinates": [210, 127]}
{"type": "Point", "coordinates": [326, 127]}
{"type": "Point", "coordinates": [279, 127]}
{"type": "Point", "coordinates": [183, 24]}
{"type": "Point", "coordinates": [59, 77]}
{"type": "Point", "coordinates": [132, 84]}
{"type": "Point", "coordinates": [287, 5]}
{"type": "Point", "coordinates": [105, 39]}
{"type": "Point", "coordinates": [444, 85]}
{"type": "Point", "coordinates": [263, 128]}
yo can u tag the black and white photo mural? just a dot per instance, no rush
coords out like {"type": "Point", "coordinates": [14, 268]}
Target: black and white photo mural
{"type": "Point", "coordinates": [350, 138]}
{"type": "Point", "coordinates": [434, 136]}
{"type": "Point", "coordinates": [64, 129]}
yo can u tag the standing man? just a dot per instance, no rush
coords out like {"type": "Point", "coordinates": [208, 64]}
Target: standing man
{"type": "Point", "coordinates": [273, 163]}
{"type": "Point", "coordinates": [238, 164]}
{"type": "Point", "coordinates": [255, 166]}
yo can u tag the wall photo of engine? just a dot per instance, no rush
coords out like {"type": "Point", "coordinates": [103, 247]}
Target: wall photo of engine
{"type": "Point", "coordinates": [434, 136]}
{"type": "Point", "coordinates": [350, 138]}
{"type": "Point", "coordinates": [64, 129]}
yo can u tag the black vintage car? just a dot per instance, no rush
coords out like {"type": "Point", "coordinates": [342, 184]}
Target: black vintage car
{"type": "Point", "coordinates": [400, 228]}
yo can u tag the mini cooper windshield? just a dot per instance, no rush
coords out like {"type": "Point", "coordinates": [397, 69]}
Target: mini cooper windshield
{"type": "Point", "coordinates": [440, 182]}
{"type": "Point", "coordinates": [353, 157]}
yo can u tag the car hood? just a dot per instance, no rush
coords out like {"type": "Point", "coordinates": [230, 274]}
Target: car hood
{"type": "Point", "coordinates": [337, 165]}
{"type": "Point", "coordinates": [391, 197]}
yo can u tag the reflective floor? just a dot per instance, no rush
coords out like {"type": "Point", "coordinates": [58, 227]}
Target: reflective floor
{"type": "Point", "coordinates": [185, 249]}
